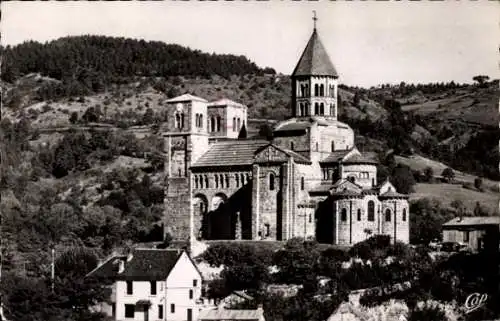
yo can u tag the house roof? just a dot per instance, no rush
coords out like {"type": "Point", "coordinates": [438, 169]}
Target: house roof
{"type": "Point", "coordinates": [336, 156]}
{"type": "Point", "coordinates": [359, 159]}
{"type": "Point", "coordinates": [315, 60]}
{"type": "Point", "coordinates": [476, 220]}
{"type": "Point", "coordinates": [186, 97]}
{"type": "Point", "coordinates": [225, 102]}
{"type": "Point", "coordinates": [145, 264]}
{"type": "Point", "coordinates": [227, 314]}
{"type": "Point", "coordinates": [393, 194]}
{"type": "Point", "coordinates": [231, 153]}
{"type": "Point", "coordinates": [239, 153]}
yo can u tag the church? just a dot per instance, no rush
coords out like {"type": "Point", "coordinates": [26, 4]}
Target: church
{"type": "Point", "coordinates": [308, 181]}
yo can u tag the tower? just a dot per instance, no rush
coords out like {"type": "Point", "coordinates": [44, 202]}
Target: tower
{"type": "Point", "coordinates": [314, 81]}
{"type": "Point", "coordinates": [185, 141]}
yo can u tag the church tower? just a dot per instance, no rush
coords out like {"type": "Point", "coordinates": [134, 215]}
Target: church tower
{"type": "Point", "coordinates": [314, 82]}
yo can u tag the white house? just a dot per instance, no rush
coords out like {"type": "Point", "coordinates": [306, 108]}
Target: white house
{"type": "Point", "coordinates": [152, 285]}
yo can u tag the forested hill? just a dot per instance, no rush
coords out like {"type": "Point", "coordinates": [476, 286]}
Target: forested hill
{"type": "Point", "coordinates": [96, 60]}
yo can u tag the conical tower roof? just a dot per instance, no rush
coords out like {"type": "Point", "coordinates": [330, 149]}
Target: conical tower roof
{"type": "Point", "coordinates": [315, 60]}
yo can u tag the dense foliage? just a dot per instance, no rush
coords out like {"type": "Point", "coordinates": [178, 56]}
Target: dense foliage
{"type": "Point", "coordinates": [87, 64]}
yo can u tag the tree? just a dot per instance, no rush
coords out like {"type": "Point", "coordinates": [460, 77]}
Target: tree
{"type": "Point", "coordinates": [481, 80]}
{"type": "Point", "coordinates": [478, 183]}
{"type": "Point", "coordinates": [91, 115]}
{"type": "Point", "coordinates": [448, 174]}
{"type": "Point", "coordinates": [73, 118]}
{"type": "Point", "coordinates": [148, 117]}
{"type": "Point", "coordinates": [403, 179]}
{"type": "Point", "coordinates": [356, 99]}
{"type": "Point", "coordinates": [428, 174]}
{"type": "Point", "coordinates": [243, 132]}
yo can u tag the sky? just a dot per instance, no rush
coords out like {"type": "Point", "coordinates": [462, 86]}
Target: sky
{"type": "Point", "coordinates": [369, 42]}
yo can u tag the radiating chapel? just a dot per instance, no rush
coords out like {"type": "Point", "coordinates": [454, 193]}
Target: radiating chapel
{"type": "Point", "coordinates": [309, 181]}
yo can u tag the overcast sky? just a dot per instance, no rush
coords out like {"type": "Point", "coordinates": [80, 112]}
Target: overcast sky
{"type": "Point", "coordinates": [369, 42]}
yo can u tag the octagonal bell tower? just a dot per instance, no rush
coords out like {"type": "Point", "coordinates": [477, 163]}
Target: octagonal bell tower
{"type": "Point", "coordinates": [314, 82]}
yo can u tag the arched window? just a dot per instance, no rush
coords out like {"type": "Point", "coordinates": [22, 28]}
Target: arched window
{"type": "Point", "coordinates": [182, 121]}
{"type": "Point", "coordinates": [316, 108]}
{"type": "Point", "coordinates": [351, 179]}
{"type": "Point", "coordinates": [306, 111]}
{"type": "Point", "coordinates": [333, 146]}
{"type": "Point", "coordinates": [177, 121]}
{"type": "Point", "coordinates": [371, 211]}
{"type": "Point", "coordinates": [196, 182]}
{"type": "Point", "coordinates": [302, 183]}
{"type": "Point", "coordinates": [359, 214]}
{"type": "Point", "coordinates": [301, 109]}
{"type": "Point", "coordinates": [237, 177]}
{"type": "Point", "coordinates": [316, 90]}
{"type": "Point", "coordinates": [387, 215]}
{"type": "Point", "coordinates": [212, 124]}
{"type": "Point", "coordinates": [239, 124]}
{"type": "Point", "coordinates": [307, 89]}
{"type": "Point", "coordinates": [227, 181]}
{"type": "Point", "coordinates": [343, 215]}
{"type": "Point", "coordinates": [317, 146]}
{"type": "Point", "coordinates": [221, 179]}
{"type": "Point", "coordinates": [234, 124]}
{"type": "Point", "coordinates": [322, 90]}
{"type": "Point", "coordinates": [271, 181]}
{"type": "Point", "coordinates": [302, 89]}
{"type": "Point", "coordinates": [201, 120]}
{"type": "Point", "coordinates": [404, 214]}
{"type": "Point", "coordinates": [373, 182]}
{"type": "Point", "coordinates": [321, 109]}
{"type": "Point", "coordinates": [206, 182]}
{"type": "Point", "coordinates": [218, 123]}
{"type": "Point", "coordinates": [291, 146]}
{"type": "Point", "coordinates": [242, 178]}
{"type": "Point", "coordinates": [216, 181]}
{"type": "Point", "coordinates": [179, 171]}
{"type": "Point", "coordinates": [248, 178]}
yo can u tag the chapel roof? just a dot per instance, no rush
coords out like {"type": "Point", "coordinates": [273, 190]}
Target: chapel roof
{"type": "Point", "coordinates": [229, 314]}
{"type": "Point", "coordinates": [336, 156]}
{"type": "Point", "coordinates": [225, 102]}
{"type": "Point", "coordinates": [315, 60]}
{"type": "Point", "coordinates": [145, 264]}
{"type": "Point", "coordinates": [359, 159]}
{"type": "Point", "coordinates": [186, 97]}
{"type": "Point", "coordinates": [302, 124]}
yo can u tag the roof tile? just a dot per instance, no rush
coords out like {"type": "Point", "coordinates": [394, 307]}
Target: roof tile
{"type": "Point", "coordinates": [315, 60]}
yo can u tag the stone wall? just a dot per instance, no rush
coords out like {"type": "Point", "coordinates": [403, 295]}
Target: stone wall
{"type": "Point", "coordinates": [397, 227]}
{"type": "Point", "coordinates": [269, 200]}
{"type": "Point", "coordinates": [364, 174]}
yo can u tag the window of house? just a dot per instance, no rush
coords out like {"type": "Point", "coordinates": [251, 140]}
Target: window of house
{"type": "Point", "coordinates": [317, 146]}
{"type": "Point", "coordinates": [404, 214]}
{"type": "Point", "coordinates": [310, 218]}
{"type": "Point", "coordinates": [189, 314]}
{"type": "Point", "coordinates": [306, 109]}
{"type": "Point", "coordinates": [466, 236]}
{"type": "Point", "coordinates": [239, 123]}
{"type": "Point", "coordinates": [237, 177]}
{"type": "Point", "coordinates": [343, 215]}
{"type": "Point", "coordinates": [130, 289]}
{"type": "Point", "coordinates": [387, 215]}
{"type": "Point", "coordinates": [248, 177]}
{"type": "Point", "coordinates": [242, 178]}
{"type": "Point", "coordinates": [333, 146]}
{"type": "Point", "coordinates": [129, 311]}
{"type": "Point", "coordinates": [302, 183]}
{"type": "Point", "coordinates": [234, 124]}
{"type": "Point", "coordinates": [316, 90]}
{"type": "Point", "coordinates": [196, 182]}
{"type": "Point", "coordinates": [322, 90]}
{"type": "Point", "coordinates": [182, 121]}
{"type": "Point", "coordinates": [307, 89]}
{"type": "Point", "coordinates": [195, 283]}
{"type": "Point", "coordinates": [371, 211]}
{"type": "Point", "coordinates": [153, 287]}
{"type": "Point", "coordinates": [160, 311]}
{"type": "Point", "coordinates": [291, 146]}
{"type": "Point", "coordinates": [177, 121]}
{"type": "Point", "coordinates": [172, 308]}
{"type": "Point", "coordinates": [218, 123]}
{"type": "Point", "coordinates": [332, 111]}
{"type": "Point", "coordinates": [301, 109]}
{"type": "Point", "coordinates": [221, 179]}
{"type": "Point", "coordinates": [206, 182]}
{"type": "Point", "coordinates": [201, 120]}
{"type": "Point", "coordinates": [216, 181]}
{"type": "Point", "coordinates": [316, 108]}
{"type": "Point", "coordinates": [268, 229]}
{"type": "Point", "coordinates": [227, 180]}
{"type": "Point", "coordinates": [190, 294]}
{"type": "Point", "coordinates": [113, 309]}
{"type": "Point", "coordinates": [359, 214]}
{"type": "Point", "coordinates": [271, 181]}
{"type": "Point", "coordinates": [321, 109]}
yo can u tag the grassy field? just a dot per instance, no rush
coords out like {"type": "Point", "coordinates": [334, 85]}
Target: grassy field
{"type": "Point", "coordinates": [447, 193]}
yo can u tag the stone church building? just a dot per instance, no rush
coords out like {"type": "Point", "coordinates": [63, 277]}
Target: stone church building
{"type": "Point", "coordinates": [309, 181]}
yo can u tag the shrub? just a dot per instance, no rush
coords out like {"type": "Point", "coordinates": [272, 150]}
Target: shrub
{"type": "Point", "coordinates": [478, 182]}
{"type": "Point", "coordinates": [427, 312]}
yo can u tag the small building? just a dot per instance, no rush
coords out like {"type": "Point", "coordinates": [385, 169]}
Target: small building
{"type": "Point", "coordinates": [221, 314]}
{"type": "Point", "coordinates": [476, 231]}
{"type": "Point", "coordinates": [152, 284]}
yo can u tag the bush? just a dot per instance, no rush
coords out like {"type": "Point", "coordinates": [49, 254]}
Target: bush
{"type": "Point", "coordinates": [427, 312]}
{"type": "Point", "coordinates": [478, 183]}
